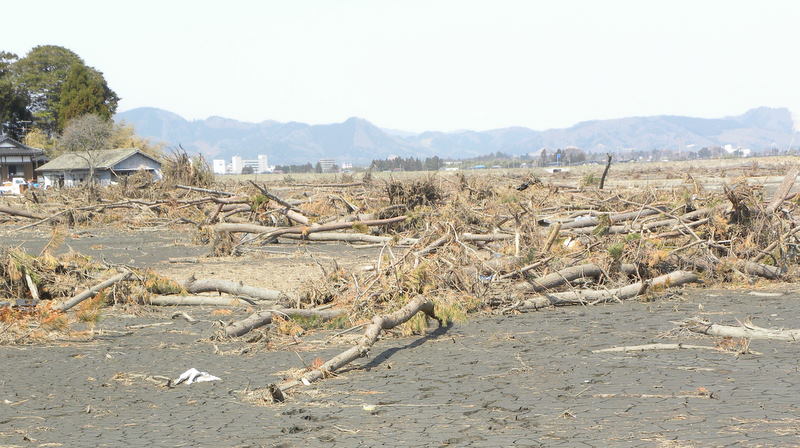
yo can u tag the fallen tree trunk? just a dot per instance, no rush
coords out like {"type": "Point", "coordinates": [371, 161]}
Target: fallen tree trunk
{"type": "Point", "coordinates": [262, 318]}
{"type": "Point", "coordinates": [18, 212]}
{"type": "Point", "coordinates": [783, 190]}
{"type": "Point", "coordinates": [435, 244]}
{"type": "Point", "coordinates": [91, 292]}
{"type": "Point", "coordinates": [485, 237]}
{"type": "Point", "coordinates": [593, 296]}
{"type": "Point", "coordinates": [194, 286]}
{"type": "Point", "coordinates": [349, 238]}
{"type": "Point", "coordinates": [618, 217]}
{"type": "Point", "coordinates": [242, 228]}
{"type": "Point", "coordinates": [746, 330]}
{"type": "Point", "coordinates": [687, 220]}
{"type": "Point", "coordinates": [373, 331]}
{"type": "Point", "coordinates": [273, 232]}
{"type": "Point", "coordinates": [194, 301]}
{"type": "Point", "coordinates": [353, 184]}
{"type": "Point", "coordinates": [305, 230]}
{"type": "Point", "coordinates": [204, 190]}
{"type": "Point", "coordinates": [563, 277]}
{"type": "Point", "coordinates": [760, 270]}
{"type": "Point", "coordinates": [295, 216]}
{"type": "Point", "coordinates": [646, 347]}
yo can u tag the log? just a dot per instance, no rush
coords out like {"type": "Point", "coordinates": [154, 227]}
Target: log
{"type": "Point", "coordinates": [485, 237]}
{"type": "Point", "coordinates": [349, 238]}
{"type": "Point", "coordinates": [262, 318]}
{"type": "Point", "coordinates": [361, 349]}
{"type": "Point", "coordinates": [352, 184]}
{"type": "Point", "coordinates": [195, 286]}
{"type": "Point", "coordinates": [564, 276]}
{"type": "Point", "coordinates": [551, 238]}
{"type": "Point", "coordinates": [91, 292]}
{"type": "Point", "coordinates": [242, 228]}
{"type": "Point", "coordinates": [760, 270]}
{"type": "Point", "coordinates": [295, 216]}
{"type": "Point", "coordinates": [305, 230]}
{"type": "Point", "coordinates": [204, 190]}
{"type": "Point", "coordinates": [273, 232]}
{"type": "Point", "coordinates": [433, 246]}
{"type": "Point", "coordinates": [22, 213]}
{"type": "Point", "coordinates": [746, 330]}
{"type": "Point", "coordinates": [592, 296]}
{"type": "Point", "coordinates": [687, 219]}
{"type": "Point", "coordinates": [646, 347]}
{"type": "Point", "coordinates": [194, 301]}
{"type": "Point", "coordinates": [617, 217]}
{"type": "Point", "coordinates": [783, 190]}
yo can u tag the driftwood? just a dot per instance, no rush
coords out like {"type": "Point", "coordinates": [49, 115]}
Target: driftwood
{"type": "Point", "coordinates": [592, 296]}
{"type": "Point", "coordinates": [746, 330]}
{"type": "Point", "coordinates": [272, 232]}
{"type": "Point", "coordinates": [304, 230]}
{"type": "Point", "coordinates": [195, 286]}
{"type": "Point", "coordinates": [242, 228]}
{"type": "Point", "coordinates": [760, 270]}
{"type": "Point", "coordinates": [194, 301]}
{"type": "Point", "coordinates": [91, 292]}
{"type": "Point", "coordinates": [687, 220]}
{"type": "Point", "coordinates": [613, 218]}
{"type": "Point", "coordinates": [204, 190]}
{"type": "Point", "coordinates": [361, 349]}
{"type": "Point", "coordinates": [551, 238]}
{"type": "Point", "coordinates": [350, 238]}
{"type": "Point", "coordinates": [563, 277]}
{"type": "Point", "coordinates": [485, 237]}
{"type": "Point", "coordinates": [17, 212]}
{"type": "Point", "coordinates": [262, 318]}
{"type": "Point", "coordinates": [435, 244]}
{"type": "Point", "coordinates": [647, 347]}
{"type": "Point", "coordinates": [783, 190]}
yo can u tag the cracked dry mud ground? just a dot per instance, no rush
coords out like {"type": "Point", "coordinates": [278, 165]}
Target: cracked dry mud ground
{"type": "Point", "coordinates": [527, 380]}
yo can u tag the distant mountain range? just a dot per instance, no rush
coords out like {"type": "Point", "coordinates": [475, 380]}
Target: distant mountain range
{"type": "Point", "coordinates": [358, 141]}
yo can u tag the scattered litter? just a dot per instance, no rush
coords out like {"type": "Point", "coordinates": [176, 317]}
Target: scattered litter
{"type": "Point", "coordinates": [195, 376]}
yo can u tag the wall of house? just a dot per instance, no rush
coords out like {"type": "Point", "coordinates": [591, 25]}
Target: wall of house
{"type": "Point", "coordinates": [75, 178]}
{"type": "Point", "coordinates": [136, 162]}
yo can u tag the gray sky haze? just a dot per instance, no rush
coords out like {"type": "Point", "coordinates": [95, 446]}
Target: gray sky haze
{"type": "Point", "coordinates": [420, 65]}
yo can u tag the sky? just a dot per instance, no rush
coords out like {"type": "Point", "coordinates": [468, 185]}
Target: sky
{"type": "Point", "coordinates": [429, 65]}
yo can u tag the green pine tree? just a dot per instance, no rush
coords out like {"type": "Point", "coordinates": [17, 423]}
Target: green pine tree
{"type": "Point", "coordinates": [83, 92]}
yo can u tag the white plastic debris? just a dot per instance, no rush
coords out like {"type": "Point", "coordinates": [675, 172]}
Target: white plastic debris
{"type": "Point", "coordinates": [195, 376]}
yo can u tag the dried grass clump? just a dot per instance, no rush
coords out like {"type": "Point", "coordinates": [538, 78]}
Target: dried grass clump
{"type": "Point", "coordinates": [179, 168]}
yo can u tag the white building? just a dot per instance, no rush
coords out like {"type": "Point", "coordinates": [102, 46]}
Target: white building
{"type": "Point", "coordinates": [236, 165]}
{"type": "Point", "coordinates": [263, 164]}
{"type": "Point", "coordinates": [219, 166]}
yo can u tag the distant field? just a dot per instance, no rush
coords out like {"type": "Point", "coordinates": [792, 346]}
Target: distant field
{"type": "Point", "coordinates": [712, 173]}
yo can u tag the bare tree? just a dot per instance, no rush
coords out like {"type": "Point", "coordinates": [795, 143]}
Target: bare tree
{"type": "Point", "coordinates": [84, 136]}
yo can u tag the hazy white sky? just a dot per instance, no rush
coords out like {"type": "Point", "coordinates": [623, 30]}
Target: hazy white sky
{"type": "Point", "coordinates": [418, 65]}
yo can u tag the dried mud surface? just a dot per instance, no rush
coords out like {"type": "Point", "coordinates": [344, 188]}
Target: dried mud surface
{"type": "Point", "coordinates": [525, 380]}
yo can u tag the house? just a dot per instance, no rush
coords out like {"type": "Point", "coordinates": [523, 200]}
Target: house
{"type": "Point", "coordinates": [18, 160]}
{"type": "Point", "coordinates": [110, 165]}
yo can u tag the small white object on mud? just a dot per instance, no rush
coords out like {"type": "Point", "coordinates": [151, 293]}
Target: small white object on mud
{"type": "Point", "coordinates": [195, 376]}
{"type": "Point", "coordinates": [765, 294]}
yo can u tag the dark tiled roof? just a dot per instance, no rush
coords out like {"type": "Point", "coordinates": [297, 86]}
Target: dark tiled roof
{"type": "Point", "coordinates": [11, 147]}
